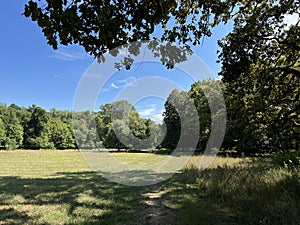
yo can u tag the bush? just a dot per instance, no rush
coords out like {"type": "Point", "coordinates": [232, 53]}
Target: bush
{"type": "Point", "coordinates": [287, 159]}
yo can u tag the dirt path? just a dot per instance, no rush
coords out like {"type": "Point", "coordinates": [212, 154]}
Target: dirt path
{"type": "Point", "coordinates": [155, 211]}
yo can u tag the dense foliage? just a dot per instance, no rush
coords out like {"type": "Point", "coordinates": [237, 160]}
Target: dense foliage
{"type": "Point", "coordinates": [250, 128]}
{"type": "Point", "coordinates": [35, 128]}
{"type": "Point", "coordinates": [261, 67]}
{"type": "Point", "coordinates": [255, 123]}
{"type": "Point", "coordinates": [100, 26]}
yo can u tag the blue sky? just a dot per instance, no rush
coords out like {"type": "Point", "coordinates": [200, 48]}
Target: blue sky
{"type": "Point", "coordinates": [31, 72]}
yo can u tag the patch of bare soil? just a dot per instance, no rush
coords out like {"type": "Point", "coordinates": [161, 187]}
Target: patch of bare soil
{"type": "Point", "coordinates": [155, 211]}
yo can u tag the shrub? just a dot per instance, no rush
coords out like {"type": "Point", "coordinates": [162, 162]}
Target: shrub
{"type": "Point", "coordinates": [287, 159]}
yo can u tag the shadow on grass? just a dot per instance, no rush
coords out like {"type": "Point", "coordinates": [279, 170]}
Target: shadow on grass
{"type": "Point", "coordinates": [12, 216]}
{"type": "Point", "coordinates": [223, 195]}
{"type": "Point", "coordinates": [235, 195]}
{"type": "Point", "coordinates": [71, 198]}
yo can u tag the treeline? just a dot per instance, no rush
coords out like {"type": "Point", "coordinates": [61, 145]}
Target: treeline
{"type": "Point", "coordinates": [35, 128]}
{"type": "Point", "coordinates": [255, 123]}
{"type": "Point", "coordinates": [117, 125]}
{"type": "Point", "coordinates": [258, 120]}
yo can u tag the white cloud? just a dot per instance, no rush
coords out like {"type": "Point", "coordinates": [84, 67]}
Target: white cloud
{"type": "Point", "coordinates": [114, 86]}
{"type": "Point", "coordinates": [151, 112]}
{"type": "Point", "coordinates": [158, 118]}
{"type": "Point", "coordinates": [152, 106]}
{"type": "Point", "coordinates": [68, 55]}
{"type": "Point", "coordinates": [104, 90]}
{"type": "Point", "coordinates": [58, 76]}
{"type": "Point", "coordinates": [129, 81]}
{"type": "Point", "coordinates": [119, 84]}
{"type": "Point", "coordinates": [147, 112]}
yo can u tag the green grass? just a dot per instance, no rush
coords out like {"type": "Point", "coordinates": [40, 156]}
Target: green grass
{"type": "Point", "coordinates": [255, 193]}
{"type": "Point", "coordinates": [58, 187]}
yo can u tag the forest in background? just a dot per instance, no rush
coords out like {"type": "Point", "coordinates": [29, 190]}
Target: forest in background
{"type": "Point", "coordinates": [252, 127]}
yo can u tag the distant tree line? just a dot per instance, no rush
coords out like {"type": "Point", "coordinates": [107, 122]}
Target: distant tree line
{"type": "Point", "coordinates": [254, 124]}
{"type": "Point", "coordinates": [35, 128]}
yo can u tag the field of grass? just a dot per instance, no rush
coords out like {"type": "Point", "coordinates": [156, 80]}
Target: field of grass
{"type": "Point", "coordinates": [59, 187]}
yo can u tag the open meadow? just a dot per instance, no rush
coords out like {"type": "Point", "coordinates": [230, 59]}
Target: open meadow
{"type": "Point", "coordinates": [139, 86]}
{"type": "Point", "coordinates": [59, 187]}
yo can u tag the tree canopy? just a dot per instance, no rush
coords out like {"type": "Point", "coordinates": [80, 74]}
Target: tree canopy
{"type": "Point", "coordinates": [99, 26]}
{"type": "Point", "coordinates": [104, 25]}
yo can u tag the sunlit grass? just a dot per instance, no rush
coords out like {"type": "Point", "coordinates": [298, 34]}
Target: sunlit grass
{"type": "Point", "coordinates": [41, 163]}
{"type": "Point", "coordinates": [59, 187]}
{"type": "Point", "coordinates": [196, 161]}
{"type": "Point", "coordinates": [236, 191]}
{"type": "Point", "coordinates": [139, 159]}
{"type": "Point", "coordinates": [49, 163]}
